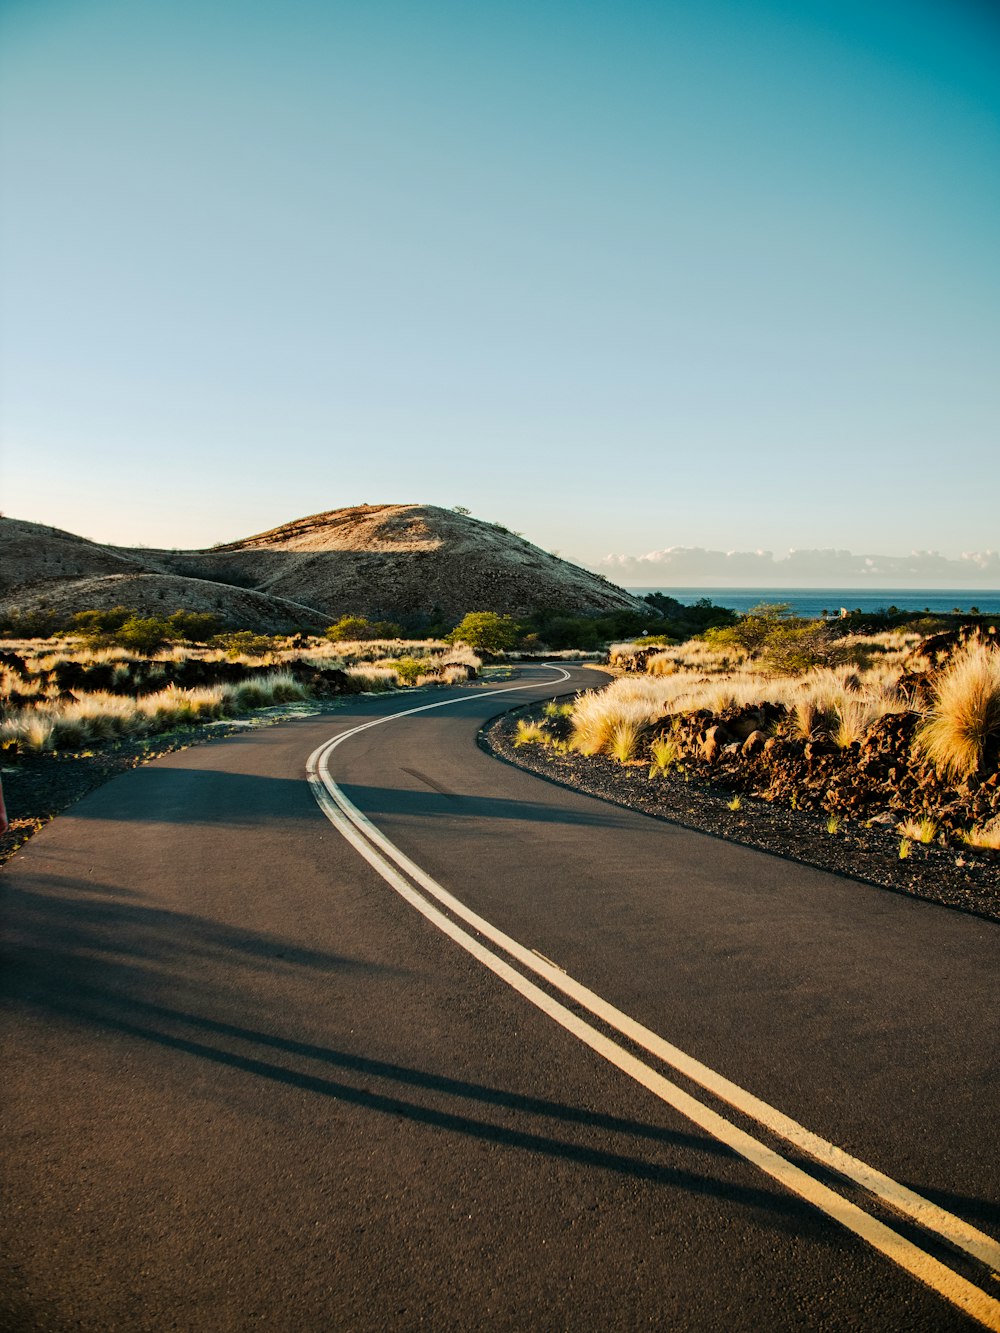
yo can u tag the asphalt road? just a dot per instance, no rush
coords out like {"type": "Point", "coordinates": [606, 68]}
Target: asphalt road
{"type": "Point", "coordinates": [248, 1084]}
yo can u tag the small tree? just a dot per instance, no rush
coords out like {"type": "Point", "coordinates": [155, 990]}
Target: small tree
{"type": "Point", "coordinates": [485, 632]}
{"type": "Point", "coordinates": [754, 630]}
{"type": "Point", "coordinates": [195, 626]}
{"type": "Point", "coordinates": [142, 634]}
{"type": "Point", "coordinates": [349, 628]}
{"type": "Point", "coordinates": [96, 623]}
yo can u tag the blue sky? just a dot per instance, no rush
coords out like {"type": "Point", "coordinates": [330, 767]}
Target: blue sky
{"type": "Point", "coordinates": [624, 276]}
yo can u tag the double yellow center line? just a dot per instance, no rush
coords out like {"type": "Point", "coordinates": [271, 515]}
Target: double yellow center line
{"type": "Point", "coordinates": [419, 889]}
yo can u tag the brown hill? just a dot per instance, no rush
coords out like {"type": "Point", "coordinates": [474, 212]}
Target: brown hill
{"type": "Point", "coordinates": [381, 561]}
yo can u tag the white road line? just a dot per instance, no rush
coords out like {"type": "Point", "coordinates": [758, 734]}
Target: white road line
{"type": "Point", "coordinates": [366, 838]}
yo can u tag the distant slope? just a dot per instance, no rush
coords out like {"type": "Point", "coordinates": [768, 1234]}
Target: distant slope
{"type": "Point", "coordinates": [394, 559]}
{"type": "Point", "coordinates": [381, 561]}
{"type": "Point", "coordinates": [162, 594]}
{"type": "Point", "coordinates": [32, 556]}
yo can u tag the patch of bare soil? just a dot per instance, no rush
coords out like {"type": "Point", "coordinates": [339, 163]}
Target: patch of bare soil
{"type": "Point", "coordinates": [860, 849]}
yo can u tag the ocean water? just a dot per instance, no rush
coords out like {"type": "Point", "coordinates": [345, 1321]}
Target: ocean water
{"type": "Point", "coordinates": [814, 601]}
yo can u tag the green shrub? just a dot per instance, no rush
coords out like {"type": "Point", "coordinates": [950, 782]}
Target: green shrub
{"type": "Point", "coordinates": [409, 669]}
{"type": "Point", "coordinates": [244, 643]}
{"type": "Point", "coordinates": [485, 632]}
{"type": "Point", "coordinates": [753, 630]}
{"type": "Point", "coordinates": [142, 634]}
{"type": "Point", "coordinates": [194, 626]}
{"type": "Point", "coordinates": [349, 629]}
{"type": "Point", "coordinates": [94, 623]}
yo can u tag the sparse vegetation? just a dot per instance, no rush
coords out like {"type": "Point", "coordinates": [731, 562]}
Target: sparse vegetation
{"type": "Point", "coordinates": [888, 731]}
{"type": "Point", "coordinates": [64, 694]}
{"type": "Point", "coordinates": [555, 709]}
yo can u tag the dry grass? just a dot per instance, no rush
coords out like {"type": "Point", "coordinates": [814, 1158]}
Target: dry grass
{"type": "Point", "coordinates": [882, 652]}
{"type": "Point", "coordinates": [919, 830]}
{"type": "Point", "coordinates": [530, 733]}
{"type": "Point", "coordinates": [100, 716]}
{"type": "Point", "coordinates": [853, 718]}
{"type": "Point", "coordinates": [374, 679]}
{"type": "Point", "coordinates": [986, 836]}
{"type": "Point", "coordinates": [623, 739]}
{"type": "Point", "coordinates": [661, 664]}
{"type": "Point", "coordinates": [808, 720]}
{"type": "Point", "coordinates": [595, 717]}
{"type": "Point", "coordinates": [429, 661]}
{"type": "Point", "coordinates": [965, 712]}
{"type": "Point", "coordinates": [664, 753]}
{"type": "Point", "coordinates": [323, 653]}
{"type": "Point", "coordinates": [845, 700]}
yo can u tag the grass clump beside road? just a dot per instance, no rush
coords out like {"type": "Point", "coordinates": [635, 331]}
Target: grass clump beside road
{"type": "Point", "coordinates": [964, 714]}
{"type": "Point", "coordinates": [59, 724]}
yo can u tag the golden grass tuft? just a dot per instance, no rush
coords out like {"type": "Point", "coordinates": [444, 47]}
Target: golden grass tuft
{"type": "Point", "coordinates": [623, 739]}
{"type": "Point", "coordinates": [805, 718]}
{"type": "Point", "coordinates": [919, 830]}
{"type": "Point", "coordinates": [854, 716]}
{"type": "Point", "coordinates": [664, 753]}
{"type": "Point", "coordinates": [530, 733]}
{"type": "Point", "coordinates": [985, 836]}
{"type": "Point", "coordinates": [597, 713]}
{"type": "Point", "coordinates": [661, 664]}
{"type": "Point", "coordinates": [965, 712]}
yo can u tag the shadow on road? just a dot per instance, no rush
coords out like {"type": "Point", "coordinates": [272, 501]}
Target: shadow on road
{"type": "Point", "coordinates": [375, 801]}
{"type": "Point", "coordinates": [108, 965]}
{"type": "Point", "coordinates": [226, 799]}
{"type": "Point", "coordinates": [221, 798]}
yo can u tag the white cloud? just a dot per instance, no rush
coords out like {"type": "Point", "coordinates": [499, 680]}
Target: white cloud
{"type": "Point", "coordinates": [697, 566]}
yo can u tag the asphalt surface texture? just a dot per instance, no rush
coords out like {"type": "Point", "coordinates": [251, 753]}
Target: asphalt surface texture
{"type": "Point", "coordinates": [247, 1085]}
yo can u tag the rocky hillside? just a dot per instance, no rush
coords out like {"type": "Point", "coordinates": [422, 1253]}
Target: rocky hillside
{"type": "Point", "coordinates": [380, 561]}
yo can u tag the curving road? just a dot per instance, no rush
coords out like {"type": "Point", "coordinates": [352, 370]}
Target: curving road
{"type": "Point", "coordinates": [423, 1041]}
